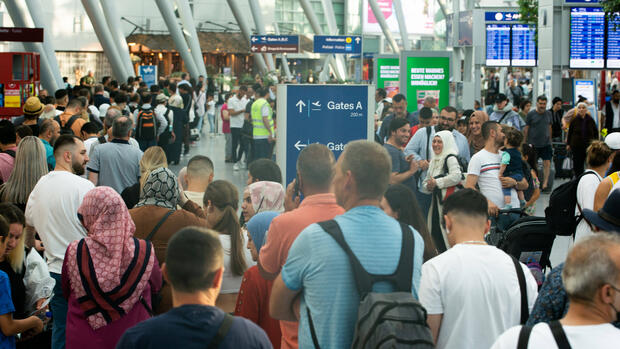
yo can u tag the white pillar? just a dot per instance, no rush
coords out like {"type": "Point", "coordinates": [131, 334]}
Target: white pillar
{"type": "Point", "coordinates": [260, 28]}
{"type": "Point", "coordinates": [192, 36]}
{"type": "Point", "coordinates": [19, 16]}
{"type": "Point", "coordinates": [165, 8]}
{"type": "Point", "coordinates": [316, 27]}
{"type": "Point", "coordinates": [384, 27]}
{"type": "Point", "coordinates": [113, 20]}
{"type": "Point", "coordinates": [287, 71]}
{"type": "Point", "coordinates": [328, 10]}
{"type": "Point", "coordinates": [245, 30]}
{"type": "Point", "coordinates": [402, 25]}
{"type": "Point", "coordinates": [94, 12]}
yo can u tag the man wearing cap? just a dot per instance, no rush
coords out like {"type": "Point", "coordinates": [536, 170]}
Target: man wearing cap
{"type": "Point", "coordinates": [608, 183]}
{"type": "Point", "coordinates": [611, 113]}
{"type": "Point", "coordinates": [503, 113]}
{"type": "Point", "coordinates": [162, 111]}
{"type": "Point", "coordinates": [32, 109]}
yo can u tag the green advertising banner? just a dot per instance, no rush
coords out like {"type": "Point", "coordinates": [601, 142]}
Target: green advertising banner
{"type": "Point", "coordinates": [427, 76]}
{"type": "Point", "coordinates": [388, 75]}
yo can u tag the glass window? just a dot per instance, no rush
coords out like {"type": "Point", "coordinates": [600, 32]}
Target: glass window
{"type": "Point", "coordinates": [18, 69]}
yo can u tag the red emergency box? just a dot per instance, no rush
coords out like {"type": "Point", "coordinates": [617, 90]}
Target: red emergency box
{"type": "Point", "coordinates": [19, 79]}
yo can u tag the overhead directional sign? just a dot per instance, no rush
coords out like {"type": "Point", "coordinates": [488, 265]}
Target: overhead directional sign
{"type": "Point", "coordinates": [338, 44]}
{"type": "Point", "coordinates": [274, 43]}
{"type": "Point", "coordinates": [21, 34]}
{"type": "Point", "coordinates": [328, 114]}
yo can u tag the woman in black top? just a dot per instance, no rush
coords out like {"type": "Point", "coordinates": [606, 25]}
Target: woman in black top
{"type": "Point", "coordinates": [581, 131]}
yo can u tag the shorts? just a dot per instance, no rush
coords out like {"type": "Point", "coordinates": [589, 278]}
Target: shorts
{"type": "Point", "coordinates": [517, 177]}
{"type": "Point", "coordinates": [545, 153]}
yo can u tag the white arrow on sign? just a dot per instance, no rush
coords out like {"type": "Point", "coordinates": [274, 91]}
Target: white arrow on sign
{"type": "Point", "coordinates": [263, 38]}
{"type": "Point", "coordinates": [254, 39]}
{"type": "Point", "coordinates": [253, 49]}
{"type": "Point", "coordinates": [357, 40]}
{"type": "Point", "coordinates": [300, 104]}
{"type": "Point", "coordinates": [300, 145]}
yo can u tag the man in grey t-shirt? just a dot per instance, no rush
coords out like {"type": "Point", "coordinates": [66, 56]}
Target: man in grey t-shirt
{"type": "Point", "coordinates": [537, 132]}
{"type": "Point", "coordinates": [116, 163]}
{"type": "Point", "coordinates": [403, 167]}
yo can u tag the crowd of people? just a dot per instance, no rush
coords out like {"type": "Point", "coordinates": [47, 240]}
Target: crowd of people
{"type": "Point", "coordinates": [102, 245]}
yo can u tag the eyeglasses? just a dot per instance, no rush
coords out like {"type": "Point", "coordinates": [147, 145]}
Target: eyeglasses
{"type": "Point", "coordinates": [447, 119]}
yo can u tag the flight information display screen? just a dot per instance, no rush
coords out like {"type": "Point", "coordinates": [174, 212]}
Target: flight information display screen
{"type": "Point", "coordinates": [613, 43]}
{"type": "Point", "coordinates": [587, 37]}
{"type": "Point", "coordinates": [498, 45]}
{"type": "Point", "coordinates": [523, 45]}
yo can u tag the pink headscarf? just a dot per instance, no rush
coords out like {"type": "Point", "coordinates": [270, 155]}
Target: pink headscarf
{"type": "Point", "coordinates": [267, 196]}
{"type": "Point", "coordinates": [111, 247]}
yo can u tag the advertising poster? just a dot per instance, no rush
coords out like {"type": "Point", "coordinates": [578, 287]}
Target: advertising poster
{"type": "Point", "coordinates": [420, 17]}
{"type": "Point", "coordinates": [388, 75]}
{"type": "Point", "coordinates": [427, 76]}
{"type": "Point", "coordinates": [12, 98]}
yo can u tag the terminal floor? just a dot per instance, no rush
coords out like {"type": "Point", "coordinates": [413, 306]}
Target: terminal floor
{"type": "Point", "coordinates": [213, 147]}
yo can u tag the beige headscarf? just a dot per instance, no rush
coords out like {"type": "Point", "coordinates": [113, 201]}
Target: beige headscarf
{"type": "Point", "coordinates": [476, 141]}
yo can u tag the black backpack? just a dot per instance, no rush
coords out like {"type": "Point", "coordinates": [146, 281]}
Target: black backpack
{"type": "Point", "coordinates": [66, 129]}
{"type": "Point", "coordinates": [560, 213]}
{"type": "Point", "coordinates": [146, 125]}
{"type": "Point", "coordinates": [10, 152]}
{"type": "Point", "coordinates": [384, 319]}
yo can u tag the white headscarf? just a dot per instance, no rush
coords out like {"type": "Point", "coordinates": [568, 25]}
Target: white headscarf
{"type": "Point", "coordinates": [449, 147]}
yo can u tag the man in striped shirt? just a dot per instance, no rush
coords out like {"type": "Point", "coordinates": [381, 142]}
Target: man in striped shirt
{"type": "Point", "coordinates": [483, 170]}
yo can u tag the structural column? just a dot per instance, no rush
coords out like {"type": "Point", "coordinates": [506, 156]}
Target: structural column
{"type": "Point", "coordinates": [192, 36]}
{"type": "Point", "coordinates": [316, 27]}
{"type": "Point", "coordinates": [94, 12]}
{"type": "Point", "coordinates": [287, 71]}
{"type": "Point", "coordinates": [260, 28]}
{"type": "Point", "coordinates": [165, 8]}
{"type": "Point", "coordinates": [17, 11]}
{"type": "Point", "coordinates": [376, 10]}
{"type": "Point", "coordinates": [245, 30]}
{"type": "Point", "coordinates": [114, 24]}
{"type": "Point", "coordinates": [402, 25]}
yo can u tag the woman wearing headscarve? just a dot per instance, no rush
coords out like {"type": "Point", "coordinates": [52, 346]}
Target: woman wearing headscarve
{"type": "Point", "coordinates": [157, 218]}
{"type": "Point", "coordinates": [444, 174]}
{"type": "Point", "coordinates": [262, 196]}
{"type": "Point", "coordinates": [474, 131]}
{"type": "Point", "coordinates": [108, 276]}
{"type": "Point", "coordinates": [253, 297]}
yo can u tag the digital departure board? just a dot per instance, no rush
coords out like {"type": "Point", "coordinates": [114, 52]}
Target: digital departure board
{"type": "Point", "coordinates": [498, 45]}
{"type": "Point", "coordinates": [587, 37]}
{"type": "Point", "coordinates": [523, 45]}
{"type": "Point", "coordinates": [613, 43]}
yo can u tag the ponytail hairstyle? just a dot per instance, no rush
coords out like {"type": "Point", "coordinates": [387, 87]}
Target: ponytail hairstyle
{"type": "Point", "coordinates": [225, 197]}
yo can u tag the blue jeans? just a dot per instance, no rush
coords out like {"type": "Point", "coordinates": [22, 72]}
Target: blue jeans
{"type": "Point", "coordinates": [199, 124]}
{"type": "Point", "coordinates": [424, 200]}
{"type": "Point", "coordinates": [59, 307]}
{"type": "Point", "coordinates": [211, 123]}
{"type": "Point", "coordinates": [144, 144]}
{"type": "Point", "coordinates": [517, 177]}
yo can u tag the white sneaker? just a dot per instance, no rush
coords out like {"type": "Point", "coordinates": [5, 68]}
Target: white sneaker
{"type": "Point", "coordinates": [236, 166]}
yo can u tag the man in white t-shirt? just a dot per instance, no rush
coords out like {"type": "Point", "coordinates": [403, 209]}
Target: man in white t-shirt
{"type": "Point", "coordinates": [236, 108]}
{"type": "Point", "coordinates": [484, 170]}
{"type": "Point", "coordinates": [591, 278]}
{"type": "Point", "coordinates": [471, 292]}
{"type": "Point", "coordinates": [52, 212]}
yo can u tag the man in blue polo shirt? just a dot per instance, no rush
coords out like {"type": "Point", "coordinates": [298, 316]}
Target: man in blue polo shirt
{"type": "Point", "coordinates": [319, 269]}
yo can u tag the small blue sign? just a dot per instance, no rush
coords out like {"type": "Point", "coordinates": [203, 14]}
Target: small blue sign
{"type": "Point", "coordinates": [338, 44]}
{"type": "Point", "coordinates": [148, 74]}
{"type": "Point", "coordinates": [492, 16]}
{"type": "Point", "coordinates": [274, 43]}
{"type": "Point", "coordinates": [327, 114]}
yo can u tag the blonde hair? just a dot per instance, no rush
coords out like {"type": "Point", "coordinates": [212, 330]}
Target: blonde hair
{"type": "Point", "coordinates": [30, 166]}
{"type": "Point", "coordinates": [13, 215]}
{"type": "Point", "coordinates": [153, 158]}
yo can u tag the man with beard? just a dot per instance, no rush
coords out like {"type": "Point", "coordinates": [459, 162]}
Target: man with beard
{"type": "Point", "coordinates": [48, 133]}
{"type": "Point", "coordinates": [611, 115]}
{"type": "Point", "coordinates": [420, 147]}
{"type": "Point", "coordinates": [484, 168]}
{"type": "Point", "coordinates": [51, 212]}
{"type": "Point", "coordinates": [116, 163]}
{"type": "Point", "coordinates": [403, 167]}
